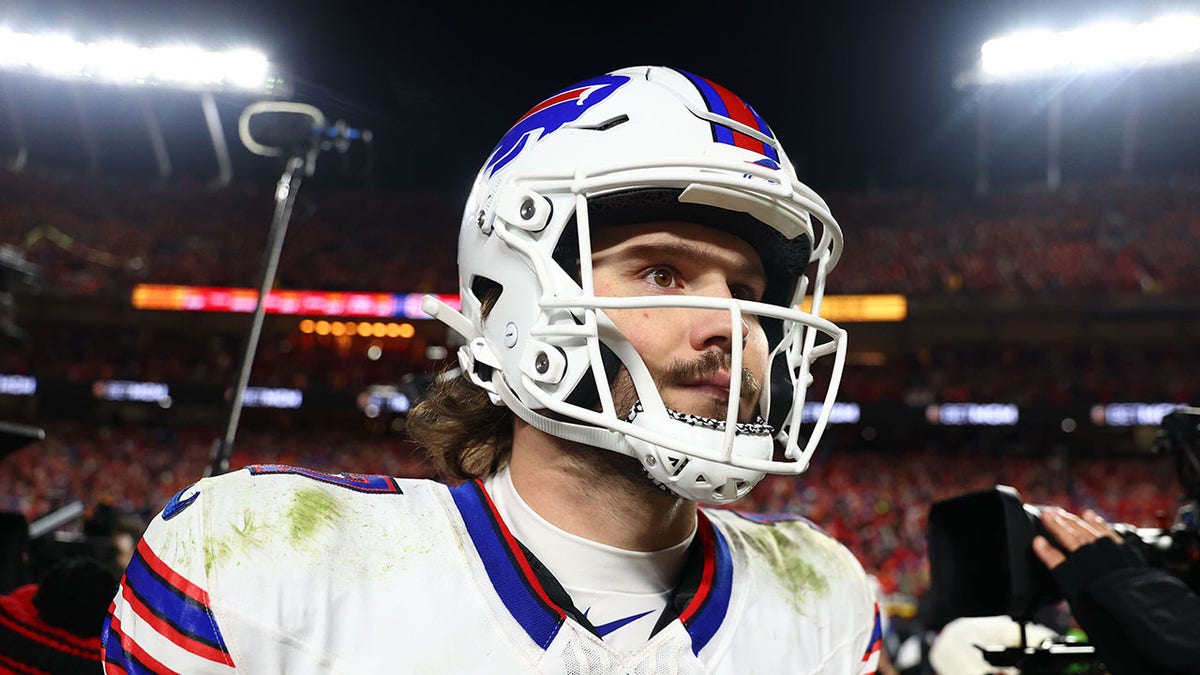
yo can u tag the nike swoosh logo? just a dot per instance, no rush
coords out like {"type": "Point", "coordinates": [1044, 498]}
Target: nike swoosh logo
{"type": "Point", "coordinates": [606, 628]}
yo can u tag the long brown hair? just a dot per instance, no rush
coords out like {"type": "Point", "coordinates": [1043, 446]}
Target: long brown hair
{"type": "Point", "coordinates": [462, 431]}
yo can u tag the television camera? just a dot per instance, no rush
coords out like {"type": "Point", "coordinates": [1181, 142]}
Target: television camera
{"type": "Point", "coordinates": [982, 562]}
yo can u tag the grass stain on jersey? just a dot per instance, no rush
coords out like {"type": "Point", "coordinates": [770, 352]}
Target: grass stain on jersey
{"type": "Point", "coordinates": [249, 534]}
{"type": "Point", "coordinates": [311, 510]}
{"type": "Point", "coordinates": [790, 558]}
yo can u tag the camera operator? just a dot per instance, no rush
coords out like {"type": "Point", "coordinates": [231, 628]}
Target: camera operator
{"type": "Point", "coordinates": [1140, 618]}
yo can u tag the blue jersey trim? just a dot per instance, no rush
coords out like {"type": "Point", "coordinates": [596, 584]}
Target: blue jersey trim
{"type": "Point", "coordinates": [177, 505]}
{"type": "Point", "coordinates": [876, 635]}
{"type": "Point", "coordinates": [703, 625]}
{"type": "Point", "coordinates": [116, 654]}
{"type": "Point", "coordinates": [181, 612]}
{"type": "Point", "coordinates": [359, 482]}
{"type": "Point", "coordinates": [518, 588]}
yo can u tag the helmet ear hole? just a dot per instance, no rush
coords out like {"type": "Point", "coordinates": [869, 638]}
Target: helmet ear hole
{"type": "Point", "coordinates": [585, 394]}
{"type": "Point", "coordinates": [487, 291]}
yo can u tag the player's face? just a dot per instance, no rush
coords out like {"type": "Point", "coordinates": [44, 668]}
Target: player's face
{"type": "Point", "coordinates": [688, 351]}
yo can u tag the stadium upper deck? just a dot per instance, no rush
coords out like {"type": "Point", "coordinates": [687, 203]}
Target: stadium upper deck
{"type": "Point", "coordinates": [93, 238]}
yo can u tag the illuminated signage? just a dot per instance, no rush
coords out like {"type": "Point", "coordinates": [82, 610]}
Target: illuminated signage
{"type": "Point", "coordinates": [123, 390]}
{"type": "Point", "coordinates": [272, 397]}
{"type": "Point", "coordinates": [973, 414]}
{"type": "Point", "coordinates": [1132, 414]}
{"type": "Point", "coordinates": [379, 399]}
{"type": "Point", "coordinates": [838, 308]}
{"type": "Point", "coordinates": [841, 413]}
{"type": "Point", "coordinates": [303, 303]}
{"type": "Point", "coordinates": [377, 329]}
{"type": "Point", "coordinates": [18, 385]}
{"type": "Point", "coordinates": [861, 308]}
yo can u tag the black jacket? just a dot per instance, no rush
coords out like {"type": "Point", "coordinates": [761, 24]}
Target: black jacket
{"type": "Point", "coordinates": [1141, 619]}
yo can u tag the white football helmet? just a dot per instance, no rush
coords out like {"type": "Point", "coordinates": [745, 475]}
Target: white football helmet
{"type": "Point", "coordinates": [643, 144]}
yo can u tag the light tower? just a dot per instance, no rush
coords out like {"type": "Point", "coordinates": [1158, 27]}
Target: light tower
{"type": "Point", "coordinates": [1057, 58]}
{"type": "Point", "coordinates": [117, 63]}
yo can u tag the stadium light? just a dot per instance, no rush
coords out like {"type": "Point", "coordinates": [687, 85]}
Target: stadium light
{"type": "Point", "coordinates": [118, 62]}
{"type": "Point", "coordinates": [1056, 57]}
{"type": "Point", "coordinates": [1169, 39]}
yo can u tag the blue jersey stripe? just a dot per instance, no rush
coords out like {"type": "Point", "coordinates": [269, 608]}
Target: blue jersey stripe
{"type": "Point", "coordinates": [184, 614]}
{"type": "Point", "coordinates": [538, 621]}
{"type": "Point", "coordinates": [114, 651]}
{"type": "Point", "coordinates": [876, 635]}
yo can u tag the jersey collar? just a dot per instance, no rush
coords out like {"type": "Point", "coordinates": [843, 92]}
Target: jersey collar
{"type": "Point", "coordinates": [537, 601]}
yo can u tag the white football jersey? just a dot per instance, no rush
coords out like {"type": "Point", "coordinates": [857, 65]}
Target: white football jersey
{"type": "Point", "coordinates": [276, 569]}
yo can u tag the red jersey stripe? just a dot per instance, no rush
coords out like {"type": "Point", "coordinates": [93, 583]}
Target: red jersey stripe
{"type": "Point", "coordinates": [171, 576]}
{"type": "Point", "coordinates": [704, 529]}
{"type": "Point", "coordinates": [170, 632]}
{"type": "Point", "coordinates": [135, 650]}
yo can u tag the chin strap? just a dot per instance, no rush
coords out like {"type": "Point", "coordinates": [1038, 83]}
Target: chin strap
{"type": "Point", "coordinates": [579, 433]}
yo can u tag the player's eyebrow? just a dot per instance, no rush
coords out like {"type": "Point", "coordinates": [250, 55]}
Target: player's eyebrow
{"type": "Point", "coordinates": [742, 268]}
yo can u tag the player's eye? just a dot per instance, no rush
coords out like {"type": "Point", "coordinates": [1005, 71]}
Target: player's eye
{"type": "Point", "coordinates": [663, 277]}
{"type": "Point", "coordinates": [742, 292]}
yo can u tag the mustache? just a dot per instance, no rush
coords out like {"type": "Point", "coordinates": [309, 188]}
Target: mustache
{"type": "Point", "coordinates": [709, 363]}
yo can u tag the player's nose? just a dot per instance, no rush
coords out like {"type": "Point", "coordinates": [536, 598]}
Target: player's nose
{"type": "Point", "coordinates": [716, 328]}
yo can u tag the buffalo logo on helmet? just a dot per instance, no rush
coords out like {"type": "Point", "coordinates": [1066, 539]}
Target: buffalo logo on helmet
{"type": "Point", "coordinates": [550, 115]}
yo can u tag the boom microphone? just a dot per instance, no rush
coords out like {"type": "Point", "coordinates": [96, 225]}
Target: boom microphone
{"type": "Point", "coordinates": [283, 128]}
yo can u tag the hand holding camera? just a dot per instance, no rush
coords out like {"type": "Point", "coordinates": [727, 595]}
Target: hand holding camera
{"type": "Point", "coordinates": [1072, 532]}
{"type": "Point", "coordinates": [1134, 591]}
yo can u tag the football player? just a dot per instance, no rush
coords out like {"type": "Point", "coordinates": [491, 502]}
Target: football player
{"type": "Point", "coordinates": [633, 258]}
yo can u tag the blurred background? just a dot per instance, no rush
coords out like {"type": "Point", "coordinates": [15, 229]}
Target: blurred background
{"type": "Point", "coordinates": [1020, 281]}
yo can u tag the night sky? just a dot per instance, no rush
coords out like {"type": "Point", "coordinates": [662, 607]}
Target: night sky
{"type": "Point", "coordinates": [859, 92]}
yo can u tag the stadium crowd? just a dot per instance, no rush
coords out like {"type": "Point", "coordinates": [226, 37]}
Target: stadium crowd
{"type": "Point", "coordinates": [1101, 237]}
{"type": "Point", "coordinates": [1097, 237]}
{"type": "Point", "coordinates": [136, 469]}
{"type": "Point", "coordinates": [97, 240]}
{"type": "Point", "coordinates": [876, 502]}
{"type": "Point", "coordinates": [1026, 375]}
{"type": "Point", "coordinates": [949, 373]}
{"type": "Point", "coordinates": [82, 354]}
{"type": "Point", "coordinates": [93, 238]}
